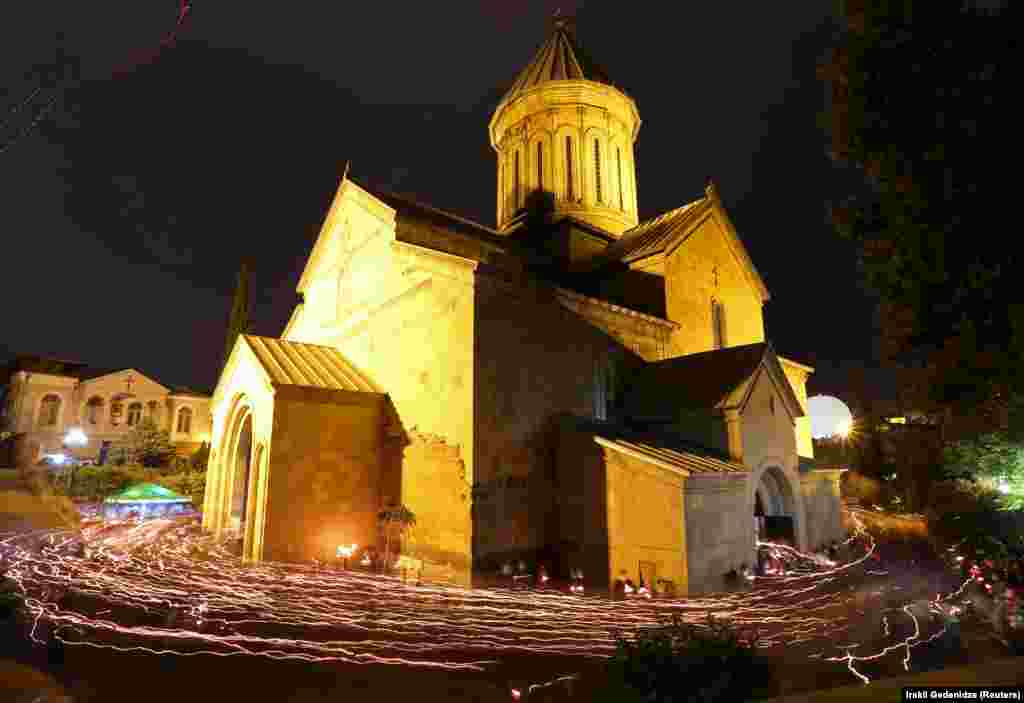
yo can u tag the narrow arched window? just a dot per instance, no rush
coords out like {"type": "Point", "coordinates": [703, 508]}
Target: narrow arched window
{"type": "Point", "coordinates": [718, 323]}
{"type": "Point", "coordinates": [618, 162]}
{"type": "Point", "coordinates": [540, 165]}
{"type": "Point", "coordinates": [116, 410]}
{"type": "Point", "coordinates": [49, 411]}
{"type": "Point", "coordinates": [134, 414]}
{"type": "Point", "coordinates": [184, 420]}
{"type": "Point", "coordinates": [568, 168]}
{"type": "Point", "coordinates": [515, 183]}
{"type": "Point", "coordinates": [597, 170]}
{"type": "Point", "coordinates": [94, 410]}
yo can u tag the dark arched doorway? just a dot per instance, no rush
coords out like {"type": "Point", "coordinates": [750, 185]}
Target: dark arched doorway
{"type": "Point", "coordinates": [240, 476]}
{"type": "Point", "coordinates": [775, 508]}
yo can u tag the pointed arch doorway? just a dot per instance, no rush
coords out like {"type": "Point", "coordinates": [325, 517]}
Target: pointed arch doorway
{"type": "Point", "coordinates": [775, 510]}
{"type": "Point", "coordinates": [241, 473]}
{"type": "Point", "coordinates": [240, 484]}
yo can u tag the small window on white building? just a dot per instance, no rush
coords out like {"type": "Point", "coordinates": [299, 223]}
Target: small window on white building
{"type": "Point", "coordinates": [184, 421]}
{"type": "Point", "coordinates": [94, 410]}
{"type": "Point", "coordinates": [49, 411]}
{"type": "Point", "coordinates": [134, 414]}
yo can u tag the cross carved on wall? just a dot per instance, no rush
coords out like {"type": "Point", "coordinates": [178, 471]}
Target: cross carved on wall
{"type": "Point", "coordinates": [128, 383]}
{"type": "Point", "coordinates": [714, 270]}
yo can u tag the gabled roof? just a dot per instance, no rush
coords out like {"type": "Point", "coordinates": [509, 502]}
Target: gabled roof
{"type": "Point", "coordinates": [687, 462]}
{"type": "Point", "coordinates": [409, 206]}
{"type": "Point", "coordinates": [652, 236]}
{"type": "Point", "coordinates": [311, 365]}
{"type": "Point", "coordinates": [33, 363]}
{"type": "Point", "coordinates": [662, 234]}
{"type": "Point", "coordinates": [558, 59]}
{"type": "Point", "coordinates": [708, 380]}
{"type": "Point", "coordinates": [84, 372]}
{"type": "Point", "coordinates": [704, 381]}
{"type": "Point", "coordinates": [663, 448]}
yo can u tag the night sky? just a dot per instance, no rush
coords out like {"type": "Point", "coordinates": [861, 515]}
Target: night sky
{"type": "Point", "coordinates": [124, 213]}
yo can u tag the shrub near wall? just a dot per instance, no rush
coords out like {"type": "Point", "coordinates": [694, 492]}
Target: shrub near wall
{"type": "Point", "coordinates": [686, 663]}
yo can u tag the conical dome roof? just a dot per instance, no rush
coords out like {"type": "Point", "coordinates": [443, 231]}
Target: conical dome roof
{"type": "Point", "coordinates": [559, 59]}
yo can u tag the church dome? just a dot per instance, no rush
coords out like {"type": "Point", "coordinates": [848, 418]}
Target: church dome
{"type": "Point", "coordinates": [559, 59]}
{"type": "Point", "coordinates": [566, 130]}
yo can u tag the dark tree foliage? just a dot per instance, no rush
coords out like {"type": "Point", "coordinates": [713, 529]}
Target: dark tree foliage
{"type": "Point", "coordinates": [922, 102]}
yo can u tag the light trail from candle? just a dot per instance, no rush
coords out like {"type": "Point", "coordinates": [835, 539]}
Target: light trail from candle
{"type": "Point", "coordinates": [163, 587]}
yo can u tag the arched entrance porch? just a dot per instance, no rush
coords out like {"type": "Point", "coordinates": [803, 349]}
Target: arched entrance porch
{"type": "Point", "coordinates": [237, 486]}
{"type": "Point", "coordinates": [777, 514]}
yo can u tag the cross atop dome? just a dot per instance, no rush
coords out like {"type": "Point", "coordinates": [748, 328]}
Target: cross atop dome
{"type": "Point", "coordinates": [565, 23]}
{"type": "Point", "coordinates": [560, 58]}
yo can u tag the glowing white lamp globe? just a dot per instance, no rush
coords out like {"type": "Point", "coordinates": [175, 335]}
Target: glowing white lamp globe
{"type": "Point", "coordinates": [829, 416]}
{"type": "Point", "coordinates": [76, 436]}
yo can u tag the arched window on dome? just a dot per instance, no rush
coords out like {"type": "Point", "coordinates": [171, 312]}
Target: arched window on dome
{"type": "Point", "coordinates": [540, 165]}
{"type": "Point", "coordinates": [515, 184]}
{"type": "Point", "coordinates": [597, 171]}
{"type": "Point", "coordinates": [569, 195]}
{"type": "Point", "coordinates": [618, 164]}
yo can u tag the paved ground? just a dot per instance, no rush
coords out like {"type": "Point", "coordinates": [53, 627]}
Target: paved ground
{"type": "Point", "coordinates": [123, 611]}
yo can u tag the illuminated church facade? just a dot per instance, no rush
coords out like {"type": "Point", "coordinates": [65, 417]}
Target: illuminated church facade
{"type": "Point", "coordinates": [573, 387]}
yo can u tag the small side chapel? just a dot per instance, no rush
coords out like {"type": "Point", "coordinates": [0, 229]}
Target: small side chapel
{"type": "Point", "coordinates": [573, 387]}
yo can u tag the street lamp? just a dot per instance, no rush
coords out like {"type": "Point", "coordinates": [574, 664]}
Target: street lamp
{"type": "Point", "coordinates": [843, 428]}
{"type": "Point", "coordinates": [74, 438]}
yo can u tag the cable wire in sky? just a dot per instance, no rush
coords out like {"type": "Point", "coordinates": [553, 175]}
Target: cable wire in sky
{"type": "Point", "coordinates": [62, 75]}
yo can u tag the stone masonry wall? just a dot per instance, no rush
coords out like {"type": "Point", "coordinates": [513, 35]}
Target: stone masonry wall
{"type": "Point", "coordinates": [823, 506]}
{"type": "Point", "coordinates": [719, 529]}
{"type": "Point", "coordinates": [325, 467]}
{"type": "Point", "coordinates": [534, 360]}
{"type": "Point", "coordinates": [647, 526]}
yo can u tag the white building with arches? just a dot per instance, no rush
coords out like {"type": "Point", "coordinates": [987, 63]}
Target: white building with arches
{"type": "Point", "coordinates": [43, 399]}
{"type": "Point", "coordinates": [574, 386]}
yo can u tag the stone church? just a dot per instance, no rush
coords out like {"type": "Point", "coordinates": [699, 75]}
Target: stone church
{"type": "Point", "coordinates": [574, 386]}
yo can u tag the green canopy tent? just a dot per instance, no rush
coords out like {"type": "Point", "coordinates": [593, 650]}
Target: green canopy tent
{"type": "Point", "coordinates": [147, 500]}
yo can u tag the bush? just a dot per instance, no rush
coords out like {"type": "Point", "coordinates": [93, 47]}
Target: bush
{"type": "Point", "coordinates": [189, 483]}
{"type": "Point", "coordinates": [968, 515]}
{"type": "Point", "coordinates": [862, 488]}
{"type": "Point", "coordinates": [680, 662]}
{"type": "Point", "coordinates": [10, 603]}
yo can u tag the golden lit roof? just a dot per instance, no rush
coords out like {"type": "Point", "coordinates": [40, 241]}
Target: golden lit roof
{"type": "Point", "coordinates": [688, 462]}
{"type": "Point", "coordinates": [311, 365]}
{"type": "Point", "coordinates": [651, 236]}
{"type": "Point", "coordinates": [559, 59]}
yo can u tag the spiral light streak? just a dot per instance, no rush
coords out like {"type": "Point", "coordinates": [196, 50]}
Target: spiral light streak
{"type": "Point", "coordinates": [164, 588]}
